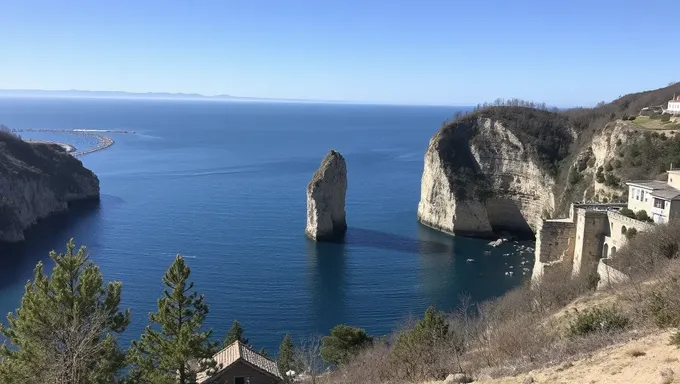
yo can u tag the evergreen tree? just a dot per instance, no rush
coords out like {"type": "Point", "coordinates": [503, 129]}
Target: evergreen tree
{"type": "Point", "coordinates": [66, 329]}
{"type": "Point", "coordinates": [175, 350]}
{"type": "Point", "coordinates": [286, 359]}
{"type": "Point", "coordinates": [235, 333]}
{"type": "Point", "coordinates": [343, 343]}
{"type": "Point", "coordinates": [264, 352]}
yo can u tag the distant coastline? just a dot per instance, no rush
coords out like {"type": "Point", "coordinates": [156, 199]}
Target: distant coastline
{"type": "Point", "coordinates": [120, 95]}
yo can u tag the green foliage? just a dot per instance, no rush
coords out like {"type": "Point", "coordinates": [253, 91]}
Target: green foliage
{"type": "Point", "coordinates": [343, 343]}
{"type": "Point", "coordinates": [627, 212]}
{"type": "Point", "coordinates": [612, 180]}
{"type": "Point", "coordinates": [175, 349]}
{"type": "Point", "coordinates": [631, 233]}
{"type": "Point", "coordinates": [66, 330]}
{"type": "Point", "coordinates": [642, 216]}
{"type": "Point", "coordinates": [286, 359]}
{"type": "Point", "coordinates": [235, 333]}
{"type": "Point", "coordinates": [599, 176]}
{"type": "Point", "coordinates": [420, 347]}
{"type": "Point", "coordinates": [661, 306]}
{"type": "Point", "coordinates": [597, 320]}
{"type": "Point", "coordinates": [574, 176]}
{"type": "Point", "coordinates": [263, 352]}
{"type": "Point", "coordinates": [608, 167]}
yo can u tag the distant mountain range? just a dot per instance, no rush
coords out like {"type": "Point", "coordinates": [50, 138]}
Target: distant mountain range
{"type": "Point", "coordinates": [147, 95]}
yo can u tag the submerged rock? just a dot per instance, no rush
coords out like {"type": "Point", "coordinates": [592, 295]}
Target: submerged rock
{"type": "Point", "coordinates": [37, 180]}
{"type": "Point", "coordinates": [326, 199]}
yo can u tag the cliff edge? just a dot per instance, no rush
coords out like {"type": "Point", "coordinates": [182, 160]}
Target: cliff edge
{"type": "Point", "coordinates": [37, 180]}
{"type": "Point", "coordinates": [493, 170]}
{"type": "Point", "coordinates": [326, 199]}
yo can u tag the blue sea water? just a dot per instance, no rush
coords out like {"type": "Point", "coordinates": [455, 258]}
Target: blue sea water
{"type": "Point", "coordinates": [223, 183]}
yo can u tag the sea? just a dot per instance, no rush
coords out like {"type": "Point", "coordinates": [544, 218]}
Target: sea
{"type": "Point", "coordinates": [223, 184]}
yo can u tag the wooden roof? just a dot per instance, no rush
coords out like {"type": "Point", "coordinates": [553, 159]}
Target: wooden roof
{"type": "Point", "coordinates": [238, 351]}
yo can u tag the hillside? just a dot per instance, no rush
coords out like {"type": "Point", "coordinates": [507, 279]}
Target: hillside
{"type": "Point", "coordinates": [506, 165]}
{"type": "Point", "coordinates": [37, 180]}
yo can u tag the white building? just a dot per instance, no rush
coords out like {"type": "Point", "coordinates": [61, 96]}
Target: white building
{"type": "Point", "coordinates": [674, 106]}
{"type": "Point", "coordinates": [661, 200]}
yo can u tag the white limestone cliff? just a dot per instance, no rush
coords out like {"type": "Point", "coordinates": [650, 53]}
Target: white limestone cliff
{"type": "Point", "coordinates": [36, 181]}
{"type": "Point", "coordinates": [326, 192]}
{"type": "Point", "coordinates": [520, 191]}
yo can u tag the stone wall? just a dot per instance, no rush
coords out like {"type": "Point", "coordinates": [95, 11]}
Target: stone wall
{"type": "Point", "coordinates": [608, 275]}
{"type": "Point", "coordinates": [591, 228]}
{"type": "Point", "coordinates": [554, 246]}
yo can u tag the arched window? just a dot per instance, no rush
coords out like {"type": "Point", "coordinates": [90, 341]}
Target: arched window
{"type": "Point", "coordinates": [623, 229]}
{"type": "Point", "coordinates": [605, 251]}
{"type": "Point", "coordinates": [613, 251]}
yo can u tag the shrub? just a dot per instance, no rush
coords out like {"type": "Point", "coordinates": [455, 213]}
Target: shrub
{"type": "Point", "coordinates": [597, 320]}
{"type": "Point", "coordinates": [611, 180]}
{"type": "Point", "coordinates": [642, 216]}
{"type": "Point", "coordinates": [617, 163]}
{"type": "Point", "coordinates": [631, 233]}
{"type": "Point", "coordinates": [343, 343]}
{"type": "Point", "coordinates": [574, 176]}
{"type": "Point", "coordinates": [665, 118]}
{"type": "Point", "coordinates": [663, 309]}
{"type": "Point", "coordinates": [599, 176]}
{"type": "Point", "coordinates": [608, 167]}
{"type": "Point", "coordinates": [675, 339]}
{"type": "Point", "coordinates": [627, 212]}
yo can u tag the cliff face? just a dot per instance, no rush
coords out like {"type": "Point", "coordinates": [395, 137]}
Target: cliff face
{"type": "Point", "coordinates": [326, 199]}
{"type": "Point", "coordinates": [486, 173]}
{"type": "Point", "coordinates": [37, 180]}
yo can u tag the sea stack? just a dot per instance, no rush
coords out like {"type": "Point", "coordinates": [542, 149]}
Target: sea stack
{"type": "Point", "coordinates": [326, 199]}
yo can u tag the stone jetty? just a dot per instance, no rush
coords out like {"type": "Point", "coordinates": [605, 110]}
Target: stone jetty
{"type": "Point", "coordinates": [326, 199]}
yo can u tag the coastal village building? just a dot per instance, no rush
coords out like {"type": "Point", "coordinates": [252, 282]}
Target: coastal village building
{"type": "Point", "coordinates": [584, 242]}
{"type": "Point", "coordinates": [674, 106]}
{"type": "Point", "coordinates": [238, 364]}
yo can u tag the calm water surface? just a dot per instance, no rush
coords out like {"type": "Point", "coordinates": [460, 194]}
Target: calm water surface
{"type": "Point", "coordinates": [224, 185]}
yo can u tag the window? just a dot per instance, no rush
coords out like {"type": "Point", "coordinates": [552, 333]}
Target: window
{"type": "Point", "coordinates": [658, 203]}
{"type": "Point", "coordinates": [239, 380]}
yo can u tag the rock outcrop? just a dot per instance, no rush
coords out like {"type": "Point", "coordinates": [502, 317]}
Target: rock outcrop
{"type": "Point", "coordinates": [37, 180]}
{"type": "Point", "coordinates": [492, 171]}
{"type": "Point", "coordinates": [326, 199]}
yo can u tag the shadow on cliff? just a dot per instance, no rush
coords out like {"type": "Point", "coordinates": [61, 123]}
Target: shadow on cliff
{"type": "Point", "coordinates": [428, 241]}
{"type": "Point", "coordinates": [18, 260]}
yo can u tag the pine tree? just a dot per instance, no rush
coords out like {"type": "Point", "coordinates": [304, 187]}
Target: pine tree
{"type": "Point", "coordinates": [235, 333]}
{"type": "Point", "coordinates": [286, 359]}
{"type": "Point", "coordinates": [66, 329]}
{"type": "Point", "coordinates": [344, 343]}
{"type": "Point", "coordinates": [174, 349]}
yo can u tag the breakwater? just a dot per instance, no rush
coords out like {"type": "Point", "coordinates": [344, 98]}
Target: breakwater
{"type": "Point", "coordinates": [103, 142]}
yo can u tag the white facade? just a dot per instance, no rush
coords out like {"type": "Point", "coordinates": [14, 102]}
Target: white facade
{"type": "Point", "coordinates": [660, 200]}
{"type": "Point", "coordinates": [673, 107]}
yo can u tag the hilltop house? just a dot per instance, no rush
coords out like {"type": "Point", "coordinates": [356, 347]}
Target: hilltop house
{"type": "Point", "coordinates": [238, 364]}
{"type": "Point", "coordinates": [674, 106]}
{"type": "Point", "coordinates": [661, 200]}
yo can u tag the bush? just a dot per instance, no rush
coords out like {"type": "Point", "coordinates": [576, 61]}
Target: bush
{"type": "Point", "coordinates": [662, 305]}
{"type": "Point", "coordinates": [642, 216]}
{"type": "Point", "coordinates": [599, 176]}
{"type": "Point", "coordinates": [665, 118]}
{"type": "Point", "coordinates": [598, 320]}
{"type": "Point", "coordinates": [574, 176]}
{"type": "Point", "coordinates": [608, 167]}
{"type": "Point", "coordinates": [627, 212]}
{"type": "Point", "coordinates": [612, 180]}
{"type": "Point", "coordinates": [675, 339]}
{"type": "Point", "coordinates": [617, 163]}
{"type": "Point", "coordinates": [344, 343]}
{"type": "Point", "coordinates": [631, 233]}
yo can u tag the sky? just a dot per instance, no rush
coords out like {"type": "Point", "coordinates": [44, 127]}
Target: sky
{"type": "Point", "coordinates": [441, 52]}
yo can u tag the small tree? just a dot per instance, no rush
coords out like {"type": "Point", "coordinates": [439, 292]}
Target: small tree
{"type": "Point", "coordinates": [308, 358]}
{"type": "Point", "coordinates": [234, 334]}
{"type": "Point", "coordinates": [344, 343]}
{"type": "Point", "coordinates": [174, 351]}
{"type": "Point", "coordinates": [286, 358]}
{"type": "Point", "coordinates": [66, 329]}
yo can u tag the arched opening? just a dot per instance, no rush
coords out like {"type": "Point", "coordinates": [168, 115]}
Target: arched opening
{"type": "Point", "coordinates": [623, 229]}
{"type": "Point", "coordinates": [613, 251]}
{"type": "Point", "coordinates": [605, 251]}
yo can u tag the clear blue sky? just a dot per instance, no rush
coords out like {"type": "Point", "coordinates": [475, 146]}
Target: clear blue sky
{"type": "Point", "coordinates": [422, 51]}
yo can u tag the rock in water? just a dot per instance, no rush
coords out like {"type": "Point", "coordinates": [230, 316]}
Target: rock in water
{"type": "Point", "coordinates": [326, 199]}
{"type": "Point", "coordinates": [37, 180]}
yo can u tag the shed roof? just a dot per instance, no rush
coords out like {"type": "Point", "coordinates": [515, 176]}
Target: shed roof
{"type": "Point", "coordinates": [238, 351]}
